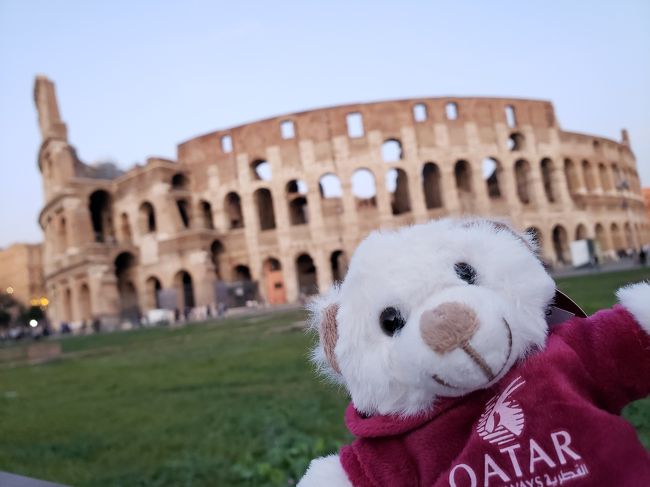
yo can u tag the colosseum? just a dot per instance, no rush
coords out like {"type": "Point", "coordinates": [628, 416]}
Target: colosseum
{"type": "Point", "coordinates": [270, 211]}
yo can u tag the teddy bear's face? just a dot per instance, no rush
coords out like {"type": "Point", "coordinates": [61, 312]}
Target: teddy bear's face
{"type": "Point", "coordinates": [439, 309]}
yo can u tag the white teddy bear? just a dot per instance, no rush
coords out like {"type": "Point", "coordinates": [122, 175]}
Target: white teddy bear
{"type": "Point", "coordinates": [441, 334]}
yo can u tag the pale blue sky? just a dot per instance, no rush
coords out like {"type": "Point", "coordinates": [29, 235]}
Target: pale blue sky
{"type": "Point", "coordinates": [134, 78]}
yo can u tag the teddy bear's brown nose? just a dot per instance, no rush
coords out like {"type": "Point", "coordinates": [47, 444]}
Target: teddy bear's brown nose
{"type": "Point", "coordinates": [448, 326]}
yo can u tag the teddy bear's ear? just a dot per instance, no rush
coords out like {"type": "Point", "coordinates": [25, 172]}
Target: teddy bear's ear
{"type": "Point", "coordinates": [322, 319]}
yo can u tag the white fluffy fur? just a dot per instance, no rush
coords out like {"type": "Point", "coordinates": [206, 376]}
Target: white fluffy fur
{"type": "Point", "coordinates": [413, 269]}
{"type": "Point", "coordinates": [325, 472]}
{"type": "Point", "coordinates": [636, 299]}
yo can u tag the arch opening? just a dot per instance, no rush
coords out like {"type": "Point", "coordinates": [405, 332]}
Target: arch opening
{"type": "Point", "coordinates": [522, 178]}
{"type": "Point", "coordinates": [265, 213]}
{"type": "Point", "coordinates": [561, 244]}
{"type": "Point", "coordinates": [85, 307]}
{"type": "Point", "coordinates": [206, 213]}
{"type": "Point", "coordinates": [147, 216]}
{"type": "Point", "coordinates": [126, 274]}
{"type": "Point", "coordinates": [338, 265]}
{"type": "Point", "coordinates": [184, 292]}
{"type": "Point", "coordinates": [101, 214]}
{"type": "Point", "coordinates": [296, 191]}
{"type": "Point", "coordinates": [397, 186]}
{"type": "Point", "coordinates": [391, 150]}
{"type": "Point", "coordinates": [307, 276]}
{"type": "Point", "coordinates": [234, 211]}
{"type": "Point", "coordinates": [216, 256]}
{"type": "Point", "coordinates": [183, 207]}
{"type": "Point", "coordinates": [153, 289]}
{"type": "Point", "coordinates": [492, 175]}
{"type": "Point", "coordinates": [516, 142]}
{"type": "Point", "coordinates": [364, 189]}
{"type": "Point", "coordinates": [274, 281]}
{"type": "Point", "coordinates": [180, 182]}
{"type": "Point", "coordinates": [547, 179]}
{"type": "Point", "coordinates": [431, 186]}
{"type": "Point", "coordinates": [261, 170]}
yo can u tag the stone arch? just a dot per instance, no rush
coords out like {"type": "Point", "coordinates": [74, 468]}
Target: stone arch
{"type": "Point", "coordinates": [85, 306]}
{"type": "Point", "coordinates": [147, 215]}
{"type": "Point", "coordinates": [329, 186]}
{"type": "Point", "coordinates": [265, 213]}
{"type": "Point", "coordinates": [184, 291]}
{"type": "Point", "coordinates": [464, 186]}
{"type": "Point", "coordinates": [561, 245]}
{"type": "Point", "coordinates": [588, 176]}
{"type": "Point", "coordinates": [516, 142]}
{"type": "Point", "coordinates": [581, 232]}
{"type": "Point", "coordinates": [629, 237]}
{"type": "Point", "coordinates": [548, 171]}
{"type": "Point", "coordinates": [398, 188]}
{"type": "Point", "coordinates": [100, 206]}
{"type": "Point", "coordinates": [206, 214]}
{"type": "Point", "coordinates": [523, 180]}
{"type": "Point", "coordinates": [601, 237]}
{"type": "Point", "coordinates": [617, 237]}
{"type": "Point", "coordinates": [216, 256]}
{"type": "Point", "coordinates": [180, 182]}
{"type": "Point", "coordinates": [605, 181]}
{"type": "Point", "coordinates": [391, 150]}
{"type": "Point", "coordinates": [152, 292]}
{"type": "Point", "coordinates": [306, 274]}
{"type": "Point", "coordinates": [431, 185]}
{"type": "Point", "coordinates": [571, 175]}
{"type": "Point", "coordinates": [261, 170]}
{"type": "Point", "coordinates": [126, 274]}
{"type": "Point", "coordinates": [338, 265]}
{"type": "Point", "coordinates": [241, 273]}
{"type": "Point", "coordinates": [296, 191]}
{"type": "Point", "coordinates": [331, 194]}
{"type": "Point", "coordinates": [492, 170]}
{"type": "Point", "coordinates": [183, 207]}
{"type": "Point", "coordinates": [274, 281]}
{"type": "Point", "coordinates": [67, 305]}
{"type": "Point", "coordinates": [234, 213]}
{"type": "Point", "coordinates": [364, 189]}
{"type": "Point", "coordinates": [125, 227]}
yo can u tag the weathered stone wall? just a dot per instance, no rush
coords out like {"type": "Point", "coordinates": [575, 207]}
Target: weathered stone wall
{"type": "Point", "coordinates": [283, 201]}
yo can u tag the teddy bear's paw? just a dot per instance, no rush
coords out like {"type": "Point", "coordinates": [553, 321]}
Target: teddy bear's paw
{"type": "Point", "coordinates": [636, 299]}
{"type": "Point", "coordinates": [325, 472]}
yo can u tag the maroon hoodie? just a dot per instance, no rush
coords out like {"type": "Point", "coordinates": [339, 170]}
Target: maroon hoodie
{"type": "Point", "coordinates": [553, 420]}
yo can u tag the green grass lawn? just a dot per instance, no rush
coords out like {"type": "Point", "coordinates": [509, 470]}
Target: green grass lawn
{"type": "Point", "coordinates": [234, 403]}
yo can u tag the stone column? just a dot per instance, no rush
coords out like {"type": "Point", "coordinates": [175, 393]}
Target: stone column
{"type": "Point", "coordinates": [290, 277]}
{"type": "Point", "coordinates": [450, 199]}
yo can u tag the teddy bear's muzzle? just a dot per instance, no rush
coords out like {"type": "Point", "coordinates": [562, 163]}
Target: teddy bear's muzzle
{"type": "Point", "coordinates": [450, 326]}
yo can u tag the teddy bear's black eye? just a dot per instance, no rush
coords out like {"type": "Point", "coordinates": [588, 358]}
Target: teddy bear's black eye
{"type": "Point", "coordinates": [466, 272]}
{"type": "Point", "coordinates": [391, 321]}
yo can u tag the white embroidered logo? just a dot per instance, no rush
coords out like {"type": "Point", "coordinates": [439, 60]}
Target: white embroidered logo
{"type": "Point", "coordinates": [503, 419]}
